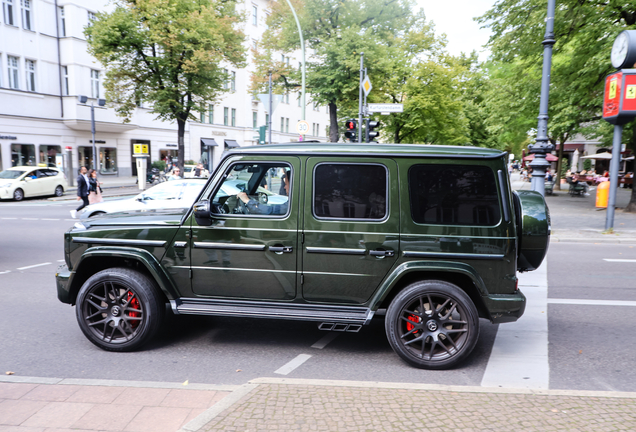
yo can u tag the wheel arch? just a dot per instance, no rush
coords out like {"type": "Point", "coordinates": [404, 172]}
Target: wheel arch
{"type": "Point", "coordinates": [98, 259]}
{"type": "Point", "coordinates": [460, 274]}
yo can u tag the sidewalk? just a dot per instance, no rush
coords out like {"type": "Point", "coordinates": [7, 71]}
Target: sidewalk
{"type": "Point", "coordinates": [111, 186]}
{"type": "Point", "coordinates": [281, 404]}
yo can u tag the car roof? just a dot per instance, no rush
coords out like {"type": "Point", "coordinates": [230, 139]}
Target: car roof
{"type": "Point", "coordinates": [391, 150]}
{"type": "Point", "coordinates": [26, 168]}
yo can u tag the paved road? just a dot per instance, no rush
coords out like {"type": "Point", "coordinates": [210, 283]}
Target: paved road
{"type": "Point", "coordinates": [590, 345]}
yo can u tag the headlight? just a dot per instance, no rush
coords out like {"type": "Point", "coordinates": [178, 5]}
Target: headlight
{"type": "Point", "coordinates": [6, 185]}
{"type": "Point", "coordinates": [79, 226]}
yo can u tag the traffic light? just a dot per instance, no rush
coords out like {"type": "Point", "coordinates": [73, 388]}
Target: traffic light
{"type": "Point", "coordinates": [370, 133]}
{"type": "Point", "coordinates": [351, 127]}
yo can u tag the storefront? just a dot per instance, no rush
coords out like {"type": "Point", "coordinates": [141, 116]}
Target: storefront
{"type": "Point", "coordinates": [50, 155]}
{"type": "Point", "coordinates": [85, 156]}
{"type": "Point", "coordinates": [23, 154]}
{"type": "Point", "coordinates": [107, 160]}
{"type": "Point", "coordinates": [169, 153]}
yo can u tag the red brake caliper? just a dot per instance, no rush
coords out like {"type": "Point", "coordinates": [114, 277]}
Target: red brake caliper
{"type": "Point", "coordinates": [413, 318]}
{"type": "Point", "coordinates": [134, 303]}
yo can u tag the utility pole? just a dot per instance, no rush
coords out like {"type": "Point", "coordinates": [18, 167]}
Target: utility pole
{"type": "Point", "coordinates": [542, 146]}
{"type": "Point", "coordinates": [360, 97]}
{"type": "Point", "coordinates": [269, 140]}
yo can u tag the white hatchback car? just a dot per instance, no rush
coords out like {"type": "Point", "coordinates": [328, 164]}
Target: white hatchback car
{"type": "Point", "coordinates": [26, 181]}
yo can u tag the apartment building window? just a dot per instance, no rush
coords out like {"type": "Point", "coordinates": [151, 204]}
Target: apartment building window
{"type": "Point", "coordinates": [7, 10]}
{"type": "Point", "coordinates": [233, 81]}
{"type": "Point", "coordinates": [62, 25]}
{"type": "Point", "coordinates": [299, 99]}
{"type": "Point", "coordinates": [254, 44]}
{"type": "Point", "coordinates": [26, 14]}
{"type": "Point", "coordinates": [287, 125]}
{"type": "Point", "coordinates": [94, 83]}
{"type": "Point", "coordinates": [287, 60]}
{"type": "Point", "coordinates": [254, 120]}
{"type": "Point", "coordinates": [254, 15]}
{"type": "Point", "coordinates": [30, 75]}
{"type": "Point", "coordinates": [91, 17]}
{"type": "Point", "coordinates": [316, 107]}
{"type": "Point", "coordinates": [202, 114]}
{"type": "Point", "coordinates": [282, 58]}
{"type": "Point", "coordinates": [233, 117]}
{"type": "Point", "coordinates": [226, 84]}
{"type": "Point", "coordinates": [14, 82]}
{"type": "Point", "coordinates": [65, 80]}
{"type": "Point", "coordinates": [267, 120]}
{"type": "Point", "coordinates": [282, 124]}
{"type": "Point", "coordinates": [226, 113]}
{"type": "Point", "coordinates": [210, 113]}
{"type": "Point", "coordinates": [287, 97]}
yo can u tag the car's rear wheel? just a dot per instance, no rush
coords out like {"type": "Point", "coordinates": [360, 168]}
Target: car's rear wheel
{"type": "Point", "coordinates": [18, 194]}
{"type": "Point", "coordinates": [59, 191]}
{"type": "Point", "coordinates": [119, 309]}
{"type": "Point", "coordinates": [432, 325]}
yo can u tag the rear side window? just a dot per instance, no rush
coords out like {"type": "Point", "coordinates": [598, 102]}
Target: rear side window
{"type": "Point", "coordinates": [453, 195]}
{"type": "Point", "coordinates": [350, 191]}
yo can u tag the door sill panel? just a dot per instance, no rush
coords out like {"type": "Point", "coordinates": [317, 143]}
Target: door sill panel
{"type": "Point", "coordinates": [255, 309]}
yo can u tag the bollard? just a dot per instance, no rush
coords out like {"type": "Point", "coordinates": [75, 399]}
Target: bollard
{"type": "Point", "coordinates": [602, 194]}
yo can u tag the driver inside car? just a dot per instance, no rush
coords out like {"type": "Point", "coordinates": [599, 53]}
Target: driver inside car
{"type": "Point", "coordinates": [258, 208]}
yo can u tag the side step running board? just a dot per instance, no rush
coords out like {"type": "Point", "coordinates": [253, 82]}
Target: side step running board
{"type": "Point", "coordinates": [343, 327]}
{"type": "Point", "coordinates": [335, 315]}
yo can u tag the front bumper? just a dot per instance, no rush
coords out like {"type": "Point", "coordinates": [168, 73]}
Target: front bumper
{"type": "Point", "coordinates": [6, 193]}
{"type": "Point", "coordinates": [505, 308]}
{"type": "Point", "coordinates": [62, 280]}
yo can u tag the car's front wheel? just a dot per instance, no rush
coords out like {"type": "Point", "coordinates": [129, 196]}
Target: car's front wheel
{"type": "Point", "coordinates": [18, 194]}
{"type": "Point", "coordinates": [432, 325]}
{"type": "Point", "coordinates": [119, 309]}
{"type": "Point", "coordinates": [59, 191]}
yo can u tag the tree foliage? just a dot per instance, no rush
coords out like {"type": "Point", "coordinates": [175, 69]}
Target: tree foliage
{"type": "Point", "coordinates": [169, 53]}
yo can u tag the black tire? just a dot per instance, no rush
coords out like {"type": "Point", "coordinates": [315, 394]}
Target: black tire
{"type": "Point", "coordinates": [59, 191]}
{"type": "Point", "coordinates": [432, 338]}
{"type": "Point", "coordinates": [119, 309]}
{"type": "Point", "coordinates": [18, 194]}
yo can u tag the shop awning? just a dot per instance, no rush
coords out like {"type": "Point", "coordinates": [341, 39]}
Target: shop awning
{"type": "Point", "coordinates": [208, 142]}
{"type": "Point", "coordinates": [231, 144]}
{"type": "Point", "coordinates": [549, 157]}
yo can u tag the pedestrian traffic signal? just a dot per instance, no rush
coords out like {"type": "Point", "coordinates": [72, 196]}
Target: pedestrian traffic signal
{"type": "Point", "coordinates": [370, 133]}
{"type": "Point", "coordinates": [351, 132]}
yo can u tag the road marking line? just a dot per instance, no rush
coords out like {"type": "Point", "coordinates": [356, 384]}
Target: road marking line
{"type": "Point", "coordinates": [324, 341]}
{"type": "Point", "coordinates": [619, 260]}
{"type": "Point", "coordinates": [49, 219]}
{"type": "Point", "coordinates": [4, 272]}
{"type": "Point", "coordinates": [519, 357]}
{"type": "Point", "coordinates": [32, 266]}
{"type": "Point", "coordinates": [592, 302]}
{"type": "Point", "coordinates": [30, 219]}
{"type": "Point", "coordinates": [289, 367]}
{"type": "Point", "coordinates": [61, 260]}
{"type": "Point", "coordinates": [9, 218]}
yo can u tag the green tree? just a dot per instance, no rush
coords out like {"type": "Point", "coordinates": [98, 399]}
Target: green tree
{"type": "Point", "coordinates": [585, 31]}
{"type": "Point", "coordinates": [166, 52]}
{"type": "Point", "coordinates": [337, 32]}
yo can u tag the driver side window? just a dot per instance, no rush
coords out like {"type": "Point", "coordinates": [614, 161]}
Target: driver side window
{"type": "Point", "coordinates": [254, 189]}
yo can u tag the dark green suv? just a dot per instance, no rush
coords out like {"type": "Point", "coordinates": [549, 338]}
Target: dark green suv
{"type": "Point", "coordinates": [430, 236]}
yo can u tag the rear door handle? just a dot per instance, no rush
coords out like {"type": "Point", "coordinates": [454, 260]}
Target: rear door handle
{"type": "Point", "coordinates": [281, 249]}
{"type": "Point", "coordinates": [382, 253]}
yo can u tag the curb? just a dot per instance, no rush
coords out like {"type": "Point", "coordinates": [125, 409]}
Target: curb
{"type": "Point", "coordinates": [626, 240]}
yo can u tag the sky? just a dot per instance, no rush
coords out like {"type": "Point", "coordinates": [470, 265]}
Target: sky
{"type": "Point", "coordinates": [455, 18]}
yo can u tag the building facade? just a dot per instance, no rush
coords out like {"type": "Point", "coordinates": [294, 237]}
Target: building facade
{"type": "Point", "coordinates": [45, 66]}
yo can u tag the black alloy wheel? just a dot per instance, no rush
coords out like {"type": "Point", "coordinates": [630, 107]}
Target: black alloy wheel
{"type": "Point", "coordinates": [119, 309]}
{"type": "Point", "coordinates": [18, 194]}
{"type": "Point", "coordinates": [59, 191]}
{"type": "Point", "coordinates": [432, 325]}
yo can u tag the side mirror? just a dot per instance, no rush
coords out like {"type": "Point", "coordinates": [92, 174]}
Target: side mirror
{"type": "Point", "coordinates": [202, 213]}
{"type": "Point", "coordinates": [27, 179]}
{"type": "Point", "coordinates": [140, 198]}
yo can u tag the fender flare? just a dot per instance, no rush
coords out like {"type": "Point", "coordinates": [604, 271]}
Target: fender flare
{"type": "Point", "coordinates": [426, 266]}
{"type": "Point", "coordinates": [148, 260]}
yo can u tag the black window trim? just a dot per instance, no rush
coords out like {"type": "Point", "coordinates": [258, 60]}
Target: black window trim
{"type": "Point", "coordinates": [242, 216]}
{"type": "Point", "coordinates": [497, 194]}
{"type": "Point", "coordinates": [313, 193]}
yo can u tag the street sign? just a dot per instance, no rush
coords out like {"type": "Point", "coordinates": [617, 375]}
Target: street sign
{"type": "Point", "coordinates": [385, 108]}
{"type": "Point", "coordinates": [302, 127]}
{"type": "Point", "coordinates": [366, 85]}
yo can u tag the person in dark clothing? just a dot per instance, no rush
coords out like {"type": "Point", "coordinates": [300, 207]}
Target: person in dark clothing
{"type": "Point", "coordinates": [82, 191]}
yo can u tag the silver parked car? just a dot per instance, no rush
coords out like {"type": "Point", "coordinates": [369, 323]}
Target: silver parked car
{"type": "Point", "coordinates": [170, 194]}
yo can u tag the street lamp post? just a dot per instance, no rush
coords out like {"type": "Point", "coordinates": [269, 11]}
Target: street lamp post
{"type": "Point", "coordinates": [542, 146]}
{"type": "Point", "coordinates": [302, 48]}
{"type": "Point", "coordinates": [101, 103]}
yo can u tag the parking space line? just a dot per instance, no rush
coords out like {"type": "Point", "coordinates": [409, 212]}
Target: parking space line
{"type": "Point", "coordinates": [289, 367]}
{"type": "Point", "coordinates": [33, 266]}
{"type": "Point", "coordinates": [324, 341]}
{"type": "Point", "coordinates": [592, 302]}
{"type": "Point", "coordinates": [620, 260]}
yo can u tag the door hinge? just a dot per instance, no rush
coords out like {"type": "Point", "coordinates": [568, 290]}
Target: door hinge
{"type": "Point", "coordinates": [190, 273]}
{"type": "Point", "coordinates": [302, 279]}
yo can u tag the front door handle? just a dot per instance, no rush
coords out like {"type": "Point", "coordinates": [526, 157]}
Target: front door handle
{"type": "Point", "coordinates": [382, 253]}
{"type": "Point", "coordinates": [281, 249]}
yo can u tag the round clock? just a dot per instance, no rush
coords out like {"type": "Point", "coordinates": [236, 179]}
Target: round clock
{"type": "Point", "coordinates": [624, 50]}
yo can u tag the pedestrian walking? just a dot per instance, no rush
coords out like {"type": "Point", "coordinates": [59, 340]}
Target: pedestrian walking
{"type": "Point", "coordinates": [82, 190]}
{"type": "Point", "coordinates": [94, 188]}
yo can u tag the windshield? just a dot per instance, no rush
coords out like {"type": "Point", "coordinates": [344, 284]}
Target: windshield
{"type": "Point", "coordinates": [11, 174]}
